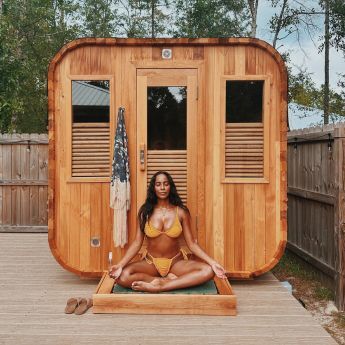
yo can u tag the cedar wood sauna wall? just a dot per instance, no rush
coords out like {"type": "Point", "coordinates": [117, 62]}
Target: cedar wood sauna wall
{"type": "Point", "coordinates": [241, 222]}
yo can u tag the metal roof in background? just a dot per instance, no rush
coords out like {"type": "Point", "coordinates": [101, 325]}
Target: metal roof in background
{"type": "Point", "coordinates": [85, 94]}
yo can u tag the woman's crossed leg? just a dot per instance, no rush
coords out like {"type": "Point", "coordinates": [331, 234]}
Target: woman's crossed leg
{"type": "Point", "coordinates": [183, 273]}
{"type": "Point", "coordinates": [137, 271]}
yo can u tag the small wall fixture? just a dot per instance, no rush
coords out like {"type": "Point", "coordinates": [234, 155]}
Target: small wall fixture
{"type": "Point", "coordinates": [166, 53]}
{"type": "Point", "coordinates": [329, 142]}
{"type": "Point", "coordinates": [95, 242]}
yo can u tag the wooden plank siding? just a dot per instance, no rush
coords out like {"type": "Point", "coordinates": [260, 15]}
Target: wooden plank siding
{"type": "Point", "coordinates": [255, 232]}
{"type": "Point", "coordinates": [267, 313]}
{"type": "Point", "coordinates": [23, 182]}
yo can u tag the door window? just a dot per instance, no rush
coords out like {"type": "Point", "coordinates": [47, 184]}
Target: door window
{"type": "Point", "coordinates": [166, 118]}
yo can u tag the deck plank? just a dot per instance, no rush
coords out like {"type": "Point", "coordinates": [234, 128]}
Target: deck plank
{"type": "Point", "coordinates": [32, 311]}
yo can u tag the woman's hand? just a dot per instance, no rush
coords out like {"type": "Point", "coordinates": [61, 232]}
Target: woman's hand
{"type": "Point", "coordinates": [218, 270]}
{"type": "Point", "coordinates": [115, 271]}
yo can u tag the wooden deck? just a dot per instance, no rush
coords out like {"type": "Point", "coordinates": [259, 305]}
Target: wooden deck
{"type": "Point", "coordinates": [34, 290]}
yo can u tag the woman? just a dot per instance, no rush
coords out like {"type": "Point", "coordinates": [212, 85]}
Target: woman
{"type": "Point", "coordinates": [165, 266]}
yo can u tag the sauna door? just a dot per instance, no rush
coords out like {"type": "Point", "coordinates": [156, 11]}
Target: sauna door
{"type": "Point", "coordinates": [167, 131]}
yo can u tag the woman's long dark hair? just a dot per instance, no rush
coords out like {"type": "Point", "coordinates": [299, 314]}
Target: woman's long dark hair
{"type": "Point", "coordinates": [147, 208]}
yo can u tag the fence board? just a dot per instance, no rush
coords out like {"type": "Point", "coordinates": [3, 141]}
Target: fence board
{"type": "Point", "coordinates": [25, 174]}
{"type": "Point", "coordinates": [1, 187]}
{"type": "Point", "coordinates": [339, 235]}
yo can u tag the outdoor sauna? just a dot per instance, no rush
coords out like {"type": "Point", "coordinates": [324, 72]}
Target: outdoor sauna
{"type": "Point", "coordinates": [212, 112]}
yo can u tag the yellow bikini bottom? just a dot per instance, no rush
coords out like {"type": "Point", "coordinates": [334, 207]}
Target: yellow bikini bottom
{"type": "Point", "coordinates": [162, 264]}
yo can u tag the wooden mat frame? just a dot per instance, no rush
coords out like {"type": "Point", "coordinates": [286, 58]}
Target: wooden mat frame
{"type": "Point", "coordinates": [106, 302]}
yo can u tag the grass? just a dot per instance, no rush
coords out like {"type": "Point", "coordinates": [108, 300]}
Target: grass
{"type": "Point", "coordinates": [302, 279]}
{"type": "Point", "coordinates": [308, 288]}
{"type": "Point", "coordinates": [323, 293]}
{"type": "Point", "coordinates": [290, 266]}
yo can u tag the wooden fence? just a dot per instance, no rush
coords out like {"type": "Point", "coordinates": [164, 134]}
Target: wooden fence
{"type": "Point", "coordinates": [23, 182]}
{"type": "Point", "coordinates": [316, 201]}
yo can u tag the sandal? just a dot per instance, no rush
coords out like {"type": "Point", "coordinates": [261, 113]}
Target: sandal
{"type": "Point", "coordinates": [83, 306]}
{"type": "Point", "coordinates": [71, 305]}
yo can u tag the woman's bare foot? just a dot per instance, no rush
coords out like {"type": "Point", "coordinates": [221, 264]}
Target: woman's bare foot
{"type": "Point", "coordinates": [156, 281]}
{"type": "Point", "coordinates": [154, 286]}
{"type": "Point", "coordinates": [160, 280]}
{"type": "Point", "coordinates": [171, 276]}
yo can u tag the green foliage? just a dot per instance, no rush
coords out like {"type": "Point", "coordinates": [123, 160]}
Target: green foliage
{"type": "Point", "coordinates": [341, 83]}
{"type": "Point", "coordinates": [302, 275]}
{"type": "Point", "coordinates": [337, 29]}
{"type": "Point", "coordinates": [99, 17]}
{"type": "Point", "coordinates": [323, 293]}
{"type": "Point", "coordinates": [303, 91]}
{"type": "Point", "coordinates": [144, 18]}
{"type": "Point", "coordinates": [131, 20]}
{"type": "Point", "coordinates": [337, 23]}
{"type": "Point", "coordinates": [211, 18]}
{"type": "Point", "coordinates": [31, 32]}
{"type": "Point", "coordinates": [290, 266]}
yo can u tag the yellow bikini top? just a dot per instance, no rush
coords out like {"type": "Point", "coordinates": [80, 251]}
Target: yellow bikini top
{"type": "Point", "coordinates": [174, 231]}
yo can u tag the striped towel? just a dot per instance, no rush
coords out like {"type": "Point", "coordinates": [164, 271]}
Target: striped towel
{"type": "Point", "coordinates": [120, 185]}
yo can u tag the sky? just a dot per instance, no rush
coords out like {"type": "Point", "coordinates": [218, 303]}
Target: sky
{"type": "Point", "coordinates": [308, 57]}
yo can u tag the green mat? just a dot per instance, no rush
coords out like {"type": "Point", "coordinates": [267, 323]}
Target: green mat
{"type": "Point", "coordinates": [207, 288]}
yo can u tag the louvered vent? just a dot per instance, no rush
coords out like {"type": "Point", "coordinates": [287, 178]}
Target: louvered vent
{"type": "Point", "coordinates": [90, 149]}
{"type": "Point", "coordinates": [172, 161]}
{"type": "Point", "coordinates": [244, 150]}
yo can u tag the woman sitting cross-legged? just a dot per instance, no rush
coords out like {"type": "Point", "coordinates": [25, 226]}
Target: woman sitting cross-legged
{"type": "Point", "coordinates": [163, 219]}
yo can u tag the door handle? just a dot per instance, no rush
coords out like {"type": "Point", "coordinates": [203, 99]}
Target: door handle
{"type": "Point", "coordinates": [142, 157]}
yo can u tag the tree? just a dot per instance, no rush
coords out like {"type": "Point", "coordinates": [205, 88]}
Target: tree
{"type": "Point", "coordinates": [157, 17]}
{"type": "Point", "coordinates": [304, 92]}
{"type": "Point", "coordinates": [131, 24]}
{"type": "Point", "coordinates": [326, 85]}
{"type": "Point", "coordinates": [99, 18]}
{"type": "Point", "coordinates": [337, 24]}
{"type": "Point", "coordinates": [293, 18]}
{"type": "Point", "coordinates": [31, 32]}
{"type": "Point", "coordinates": [334, 36]}
{"type": "Point", "coordinates": [144, 18]}
{"type": "Point", "coordinates": [337, 33]}
{"type": "Point", "coordinates": [210, 18]}
{"type": "Point", "coordinates": [253, 7]}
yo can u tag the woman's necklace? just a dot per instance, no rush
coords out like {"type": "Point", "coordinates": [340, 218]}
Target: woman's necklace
{"type": "Point", "coordinates": [163, 210]}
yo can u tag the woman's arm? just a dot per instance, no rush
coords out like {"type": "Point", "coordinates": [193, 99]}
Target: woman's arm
{"type": "Point", "coordinates": [196, 249]}
{"type": "Point", "coordinates": [132, 251]}
{"type": "Point", "coordinates": [191, 243]}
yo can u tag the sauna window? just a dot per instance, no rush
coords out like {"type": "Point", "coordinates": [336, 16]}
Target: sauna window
{"type": "Point", "coordinates": [244, 101]}
{"type": "Point", "coordinates": [244, 129]}
{"type": "Point", "coordinates": [90, 100]}
{"type": "Point", "coordinates": [167, 116]}
{"type": "Point", "coordinates": [90, 128]}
